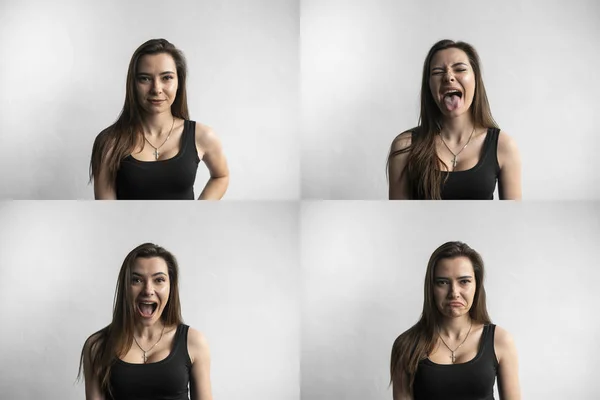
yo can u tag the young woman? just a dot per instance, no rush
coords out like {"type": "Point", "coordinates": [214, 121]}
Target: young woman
{"type": "Point", "coordinates": [153, 150]}
{"type": "Point", "coordinates": [146, 352]}
{"type": "Point", "coordinates": [454, 351]}
{"type": "Point", "coordinates": [457, 151]}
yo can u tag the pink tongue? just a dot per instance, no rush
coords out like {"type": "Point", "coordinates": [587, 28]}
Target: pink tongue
{"type": "Point", "coordinates": [146, 309]}
{"type": "Point", "coordinates": [452, 102]}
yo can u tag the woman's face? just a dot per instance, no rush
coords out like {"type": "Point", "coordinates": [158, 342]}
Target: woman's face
{"type": "Point", "coordinates": [150, 288]}
{"type": "Point", "coordinates": [156, 82]}
{"type": "Point", "coordinates": [450, 69]}
{"type": "Point", "coordinates": [454, 286]}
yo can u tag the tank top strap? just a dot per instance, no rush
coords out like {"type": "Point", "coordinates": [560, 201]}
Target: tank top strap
{"type": "Point", "coordinates": [180, 345]}
{"type": "Point", "coordinates": [190, 139]}
{"type": "Point", "coordinates": [491, 148]}
{"type": "Point", "coordinates": [488, 352]}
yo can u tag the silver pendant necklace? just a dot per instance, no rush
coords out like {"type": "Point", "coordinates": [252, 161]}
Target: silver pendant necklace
{"type": "Point", "coordinates": [144, 357]}
{"type": "Point", "coordinates": [156, 152]}
{"type": "Point", "coordinates": [452, 351]}
{"type": "Point", "coordinates": [455, 158]}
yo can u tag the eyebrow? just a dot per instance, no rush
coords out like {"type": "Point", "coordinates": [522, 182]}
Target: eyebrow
{"type": "Point", "coordinates": [459, 278]}
{"type": "Point", "coordinates": [162, 73]}
{"type": "Point", "coordinates": [453, 65]}
{"type": "Point", "coordinates": [155, 274]}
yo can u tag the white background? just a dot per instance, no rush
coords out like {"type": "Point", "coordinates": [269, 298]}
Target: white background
{"type": "Point", "coordinates": [59, 263]}
{"type": "Point", "coordinates": [364, 263]}
{"type": "Point", "coordinates": [63, 66]}
{"type": "Point", "coordinates": [361, 66]}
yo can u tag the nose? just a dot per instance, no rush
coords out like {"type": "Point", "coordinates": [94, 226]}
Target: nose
{"type": "Point", "coordinates": [453, 291]}
{"type": "Point", "coordinates": [148, 289]}
{"type": "Point", "coordinates": [156, 86]}
{"type": "Point", "coordinates": [448, 76]}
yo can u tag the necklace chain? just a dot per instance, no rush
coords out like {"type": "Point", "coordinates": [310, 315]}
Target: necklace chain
{"type": "Point", "coordinates": [145, 351]}
{"type": "Point", "coordinates": [156, 152]}
{"type": "Point", "coordinates": [452, 356]}
{"type": "Point", "coordinates": [455, 158]}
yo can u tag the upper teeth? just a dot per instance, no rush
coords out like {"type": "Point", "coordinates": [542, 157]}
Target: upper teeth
{"type": "Point", "coordinates": [452, 91]}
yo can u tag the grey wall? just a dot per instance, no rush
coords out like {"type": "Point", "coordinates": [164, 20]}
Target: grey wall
{"type": "Point", "coordinates": [363, 266]}
{"type": "Point", "coordinates": [59, 263]}
{"type": "Point", "coordinates": [361, 66]}
{"type": "Point", "coordinates": [63, 66]}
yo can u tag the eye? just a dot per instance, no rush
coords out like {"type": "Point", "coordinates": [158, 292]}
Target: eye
{"type": "Point", "coordinates": [465, 281]}
{"type": "Point", "coordinates": [461, 70]}
{"type": "Point", "coordinates": [161, 280]}
{"type": "Point", "coordinates": [440, 283]}
{"type": "Point", "coordinates": [167, 77]}
{"type": "Point", "coordinates": [135, 280]}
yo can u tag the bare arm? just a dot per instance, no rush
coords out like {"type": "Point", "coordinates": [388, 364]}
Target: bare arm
{"type": "Point", "coordinates": [509, 181]}
{"type": "Point", "coordinates": [508, 365]}
{"type": "Point", "coordinates": [398, 185]}
{"type": "Point", "coordinates": [211, 151]}
{"type": "Point", "coordinates": [92, 386]}
{"type": "Point", "coordinates": [200, 387]}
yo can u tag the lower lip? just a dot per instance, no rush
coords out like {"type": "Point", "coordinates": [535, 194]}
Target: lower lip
{"type": "Point", "coordinates": [455, 305]}
{"type": "Point", "coordinates": [156, 103]}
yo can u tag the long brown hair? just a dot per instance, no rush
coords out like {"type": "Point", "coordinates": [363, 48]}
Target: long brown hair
{"type": "Point", "coordinates": [416, 343]}
{"type": "Point", "coordinates": [423, 172]}
{"type": "Point", "coordinates": [115, 340]}
{"type": "Point", "coordinates": [118, 140]}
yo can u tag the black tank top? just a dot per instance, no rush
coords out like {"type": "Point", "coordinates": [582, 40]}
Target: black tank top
{"type": "Point", "coordinates": [167, 379]}
{"type": "Point", "coordinates": [473, 380]}
{"type": "Point", "coordinates": [479, 182]}
{"type": "Point", "coordinates": [171, 179]}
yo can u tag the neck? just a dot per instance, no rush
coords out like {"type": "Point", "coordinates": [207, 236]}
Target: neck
{"type": "Point", "coordinates": [458, 129]}
{"type": "Point", "coordinates": [148, 332]}
{"type": "Point", "coordinates": [156, 125]}
{"type": "Point", "coordinates": [455, 328]}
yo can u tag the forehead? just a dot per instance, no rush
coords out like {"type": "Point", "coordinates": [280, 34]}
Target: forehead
{"type": "Point", "coordinates": [449, 56]}
{"type": "Point", "coordinates": [454, 267]}
{"type": "Point", "coordinates": [149, 266]}
{"type": "Point", "coordinates": [156, 63]}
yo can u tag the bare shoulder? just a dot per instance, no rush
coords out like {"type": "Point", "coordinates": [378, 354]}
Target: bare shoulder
{"type": "Point", "coordinates": [204, 131]}
{"type": "Point", "coordinates": [206, 138]}
{"type": "Point", "coordinates": [506, 143]}
{"type": "Point", "coordinates": [508, 151]}
{"type": "Point", "coordinates": [503, 342]}
{"type": "Point", "coordinates": [402, 141]}
{"type": "Point", "coordinates": [197, 344]}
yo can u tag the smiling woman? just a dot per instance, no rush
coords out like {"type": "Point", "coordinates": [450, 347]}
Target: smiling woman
{"type": "Point", "coordinates": [457, 151]}
{"type": "Point", "coordinates": [155, 113]}
{"type": "Point", "coordinates": [147, 351]}
{"type": "Point", "coordinates": [454, 351]}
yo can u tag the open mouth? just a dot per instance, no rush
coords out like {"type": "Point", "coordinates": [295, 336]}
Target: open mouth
{"type": "Point", "coordinates": [451, 93]}
{"type": "Point", "coordinates": [147, 308]}
{"type": "Point", "coordinates": [452, 99]}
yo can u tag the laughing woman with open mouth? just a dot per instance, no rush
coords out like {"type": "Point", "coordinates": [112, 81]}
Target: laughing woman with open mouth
{"type": "Point", "coordinates": [457, 151]}
{"type": "Point", "coordinates": [153, 150]}
{"type": "Point", "coordinates": [147, 352]}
